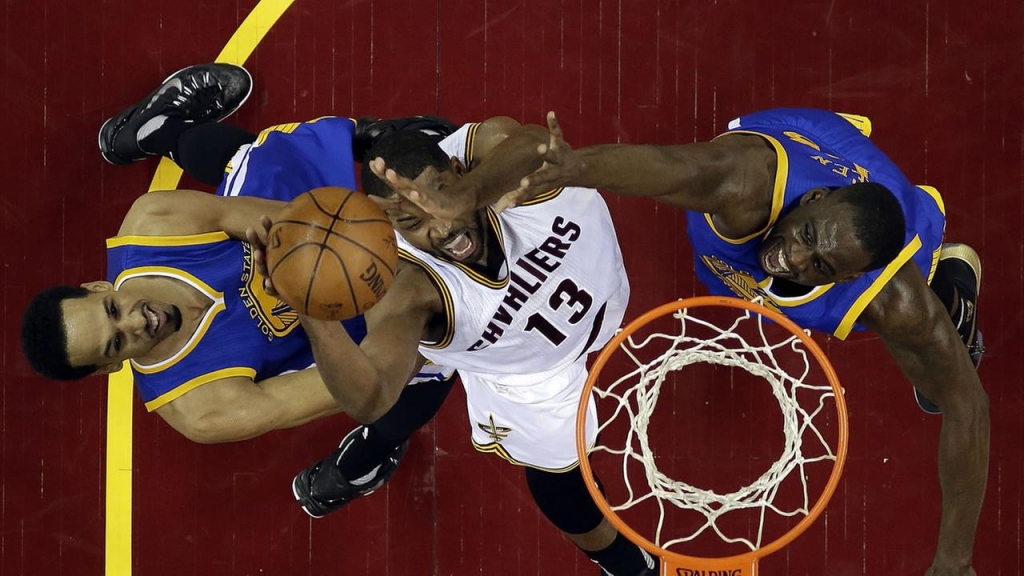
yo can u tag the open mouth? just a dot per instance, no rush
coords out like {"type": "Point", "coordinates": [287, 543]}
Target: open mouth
{"type": "Point", "coordinates": [459, 246]}
{"type": "Point", "coordinates": [773, 259]}
{"type": "Point", "coordinates": [155, 320]}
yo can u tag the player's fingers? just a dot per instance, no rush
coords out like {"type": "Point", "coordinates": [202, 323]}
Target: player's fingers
{"type": "Point", "coordinates": [553, 126]}
{"type": "Point", "coordinates": [378, 167]}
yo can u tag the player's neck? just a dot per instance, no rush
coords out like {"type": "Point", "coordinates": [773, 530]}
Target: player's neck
{"type": "Point", "coordinates": [189, 301]}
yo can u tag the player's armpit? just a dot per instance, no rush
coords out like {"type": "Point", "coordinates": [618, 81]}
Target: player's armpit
{"type": "Point", "coordinates": [920, 336]}
{"type": "Point", "coordinates": [233, 409]}
{"type": "Point", "coordinates": [186, 212]}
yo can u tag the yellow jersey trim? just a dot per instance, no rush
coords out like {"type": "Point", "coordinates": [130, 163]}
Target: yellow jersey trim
{"type": "Point", "coordinates": [471, 143]}
{"type": "Point", "coordinates": [188, 240]}
{"type": "Point", "coordinates": [862, 301]}
{"type": "Point", "coordinates": [861, 123]}
{"type": "Point", "coordinates": [500, 451]}
{"type": "Point", "coordinates": [937, 198]}
{"type": "Point", "coordinates": [551, 194]}
{"type": "Point", "coordinates": [204, 324]}
{"type": "Point", "coordinates": [934, 193]}
{"type": "Point", "coordinates": [778, 195]}
{"type": "Point", "coordinates": [446, 297]}
{"type": "Point", "coordinates": [198, 381]}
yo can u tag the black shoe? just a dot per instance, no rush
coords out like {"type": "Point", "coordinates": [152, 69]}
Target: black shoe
{"type": "Point", "coordinates": [321, 489]}
{"type": "Point", "coordinates": [961, 264]}
{"type": "Point", "coordinates": [193, 95]}
{"type": "Point", "coordinates": [369, 130]}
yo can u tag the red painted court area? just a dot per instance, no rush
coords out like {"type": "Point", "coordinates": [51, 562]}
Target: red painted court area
{"type": "Point", "coordinates": [942, 81]}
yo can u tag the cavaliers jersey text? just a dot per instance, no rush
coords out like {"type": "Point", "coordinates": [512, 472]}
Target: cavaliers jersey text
{"type": "Point", "coordinates": [519, 339]}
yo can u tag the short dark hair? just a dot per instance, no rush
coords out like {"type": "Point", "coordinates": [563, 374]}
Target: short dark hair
{"type": "Point", "coordinates": [408, 153]}
{"type": "Point", "coordinates": [878, 222]}
{"type": "Point", "coordinates": [44, 342]}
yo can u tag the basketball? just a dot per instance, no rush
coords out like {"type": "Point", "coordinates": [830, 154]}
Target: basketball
{"type": "Point", "coordinates": [331, 254]}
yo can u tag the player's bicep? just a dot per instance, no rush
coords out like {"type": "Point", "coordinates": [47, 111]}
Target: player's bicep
{"type": "Point", "coordinates": [186, 212]}
{"type": "Point", "coordinates": [216, 411]}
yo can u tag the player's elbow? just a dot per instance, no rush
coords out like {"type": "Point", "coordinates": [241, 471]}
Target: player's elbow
{"type": "Point", "coordinates": [366, 413]}
{"type": "Point", "coordinates": [213, 428]}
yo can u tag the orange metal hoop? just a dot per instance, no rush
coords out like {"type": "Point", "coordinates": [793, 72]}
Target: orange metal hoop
{"type": "Point", "coordinates": [672, 563]}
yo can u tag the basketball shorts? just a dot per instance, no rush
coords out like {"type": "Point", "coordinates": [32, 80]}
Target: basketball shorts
{"type": "Point", "coordinates": [531, 425]}
{"type": "Point", "coordinates": [290, 159]}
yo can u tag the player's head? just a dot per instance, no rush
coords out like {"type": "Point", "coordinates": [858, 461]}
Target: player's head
{"type": "Point", "coordinates": [417, 156]}
{"type": "Point", "coordinates": [835, 235]}
{"type": "Point", "coordinates": [68, 333]}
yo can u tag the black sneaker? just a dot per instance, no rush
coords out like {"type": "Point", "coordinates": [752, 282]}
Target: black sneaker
{"type": "Point", "coordinates": [321, 489]}
{"type": "Point", "coordinates": [961, 264]}
{"type": "Point", "coordinates": [369, 130]}
{"type": "Point", "coordinates": [193, 95]}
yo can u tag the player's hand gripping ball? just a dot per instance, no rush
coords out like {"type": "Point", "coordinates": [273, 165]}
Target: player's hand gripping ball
{"type": "Point", "coordinates": [331, 253]}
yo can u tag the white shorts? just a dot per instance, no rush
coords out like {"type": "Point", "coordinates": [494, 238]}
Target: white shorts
{"type": "Point", "coordinates": [531, 425]}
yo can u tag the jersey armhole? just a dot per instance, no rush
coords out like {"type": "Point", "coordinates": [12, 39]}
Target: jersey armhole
{"type": "Point", "coordinates": [446, 299]}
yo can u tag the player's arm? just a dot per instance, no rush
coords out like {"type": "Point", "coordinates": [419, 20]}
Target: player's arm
{"type": "Point", "coordinates": [708, 177]}
{"type": "Point", "coordinates": [186, 212]}
{"type": "Point", "coordinates": [233, 409]}
{"type": "Point", "coordinates": [504, 151]}
{"type": "Point", "coordinates": [921, 338]}
{"type": "Point", "coordinates": [366, 379]}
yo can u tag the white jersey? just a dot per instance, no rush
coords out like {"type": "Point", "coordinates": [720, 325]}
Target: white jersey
{"type": "Point", "coordinates": [560, 294]}
{"type": "Point", "coordinates": [522, 338]}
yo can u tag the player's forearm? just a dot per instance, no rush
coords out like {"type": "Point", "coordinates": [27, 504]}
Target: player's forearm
{"type": "Point", "coordinates": [681, 176]}
{"type": "Point", "coordinates": [506, 164]}
{"type": "Point", "coordinates": [349, 375]}
{"type": "Point", "coordinates": [963, 473]}
{"type": "Point", "coordinates": [297, 399]}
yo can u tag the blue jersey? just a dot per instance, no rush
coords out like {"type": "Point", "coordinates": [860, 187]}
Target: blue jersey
{"type": "Point", "coordinates": [816, 148]}
{"type": "Point", "coordinates": [245, 332]}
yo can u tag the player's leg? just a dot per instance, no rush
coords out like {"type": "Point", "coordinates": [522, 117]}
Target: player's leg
{"type": "Point", "coordinates": [565, 501]}
{"type": "Point", "coordinates": [191, 96]}
{"type": "Point", "coordinates": [957, 283]}
{"type": "Point", "coordinates": [369, 455]}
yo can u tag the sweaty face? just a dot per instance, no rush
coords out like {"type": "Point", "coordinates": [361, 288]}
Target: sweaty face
{"type": "Point", "coordinates": [815, 243]}
{"type": "Point", "coordinates": [108, 326]}
{"type": "Point", "coordinates": [462, 239]}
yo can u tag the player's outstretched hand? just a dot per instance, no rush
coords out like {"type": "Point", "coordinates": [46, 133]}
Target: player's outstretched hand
{"type": "Point", "coordinates": [561, 166]}
{"type": "Point", "coordinates": [447, 205]}
{"type": "Point", "coordinates": [258, 238]}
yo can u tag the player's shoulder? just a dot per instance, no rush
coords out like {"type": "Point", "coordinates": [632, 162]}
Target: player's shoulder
{"type": "Point", "coordinates": [416, 287]}
{"type": "Point", "coordinates": [903, 306]}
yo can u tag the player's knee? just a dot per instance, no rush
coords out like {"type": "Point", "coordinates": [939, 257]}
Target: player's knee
{"type": "Point", "coordinates": [564, 500]}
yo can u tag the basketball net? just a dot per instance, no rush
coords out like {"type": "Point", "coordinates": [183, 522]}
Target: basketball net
{"type": "Point", "coordinates": [635, 396]}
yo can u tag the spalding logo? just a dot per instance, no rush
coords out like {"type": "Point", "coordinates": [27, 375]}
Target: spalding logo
{"type": "Point", "coordinates": [371, 277]}
{"type": "Point", "coordinates": [691, 572]}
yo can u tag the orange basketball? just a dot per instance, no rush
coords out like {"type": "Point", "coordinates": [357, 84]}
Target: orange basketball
{"type": "Point", "coordinates": [331, 254]}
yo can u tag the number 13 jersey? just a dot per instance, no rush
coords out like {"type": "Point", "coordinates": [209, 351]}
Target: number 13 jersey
{"type": "Point", "coordinates": [561, 291]}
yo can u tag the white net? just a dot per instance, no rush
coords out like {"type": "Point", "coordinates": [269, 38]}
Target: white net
{"type": "Point", "coordinates": [635, 396]}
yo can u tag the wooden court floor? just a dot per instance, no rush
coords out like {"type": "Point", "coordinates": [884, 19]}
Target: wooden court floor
{"type": "Point", "coordinates": [943, 82]}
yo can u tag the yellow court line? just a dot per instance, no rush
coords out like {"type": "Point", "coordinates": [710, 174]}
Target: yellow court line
{"type": "Point", "coordinates": [118, 537]}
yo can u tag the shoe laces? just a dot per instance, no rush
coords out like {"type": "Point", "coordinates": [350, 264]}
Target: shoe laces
{"type": "Point", "coordinates": [199, 97]}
